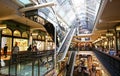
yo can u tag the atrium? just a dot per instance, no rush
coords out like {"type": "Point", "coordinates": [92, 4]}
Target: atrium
{"type": "Point", "coordinates": [60, 38]}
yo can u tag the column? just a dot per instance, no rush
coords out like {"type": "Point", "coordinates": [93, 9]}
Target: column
{"type": "Point", "coordinates": [30, 37]}
{"type": "Point", "coordinates": [46, 43]}
{"type": "Point", "coordinates": [0, 46]}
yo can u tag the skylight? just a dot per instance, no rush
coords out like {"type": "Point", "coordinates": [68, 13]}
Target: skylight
{"type": "Point", "coordinates": [73, 12]}
{"type": "Point", "coordinates": [25, 2]}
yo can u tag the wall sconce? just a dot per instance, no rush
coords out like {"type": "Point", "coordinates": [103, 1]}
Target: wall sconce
{"type": "Point", "coordinates": [2, 26]}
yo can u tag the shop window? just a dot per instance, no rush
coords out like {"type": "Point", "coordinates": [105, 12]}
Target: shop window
{"type": "Point", "coordinates": [40, 44]}
{"type": "Point", "coordinates": [17, 33]}
{"type": "Point", "coordinates": [24, 34]}
{"type": "Point", "coordinates": [7, 31]}
{"type": "Point", "coordinates": [39, 37]}
{"type": "Point", "coordinates": [22, 43]}
{"type": "Point", "coordinates": [8, 41]}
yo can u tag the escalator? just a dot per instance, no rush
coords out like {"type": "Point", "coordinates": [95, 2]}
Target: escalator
{"type": "Point", "coordinates": [70, 69]}
{"type": "Point", "coordinates": [62, 50]}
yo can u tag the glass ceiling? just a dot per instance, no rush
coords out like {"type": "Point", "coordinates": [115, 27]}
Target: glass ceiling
{"type": "Point", "coordinates": [71, 12]}
{"type": "Point", "coordinates": [25, 2]}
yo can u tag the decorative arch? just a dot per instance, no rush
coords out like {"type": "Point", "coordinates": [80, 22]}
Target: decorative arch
{"type": "Point", "coordinates": [17, 33]}
{"type": "Point", "coordinates": [7, 31]}
{"type": "Point", "coordinates": [24, 34]}
{"type": "Point", "coordinates": [39, 37]}
{"type": "Point", "coordinates": [43, 38]}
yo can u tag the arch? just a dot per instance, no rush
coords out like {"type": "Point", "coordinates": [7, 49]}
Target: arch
{"type": "Point", "coordinates": [39, 37]}
{"type": "Point", "coordinates": [7, 31]}
{"type": "Point", "coordinates": [24, 34]}
{"type": "Point", "coordinates": [17, 33]}
{"type": "Point", "coordinates": [43, 38]}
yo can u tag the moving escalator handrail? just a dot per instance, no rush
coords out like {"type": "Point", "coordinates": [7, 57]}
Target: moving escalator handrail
{"type": "Point", "coordinates": [65, 44]}
{"type": "Point", "coordinates": [71, 64]}
{"type": "Point", "coordinates": [65, 41]}
{"type": "Point", "coordinates": [62, 42]}
{"type": "Point", "coordinates": [63, 51]}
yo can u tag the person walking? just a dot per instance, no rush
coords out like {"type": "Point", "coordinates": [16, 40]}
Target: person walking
{"type": "Point", "coordinates": [15, 52]}
{"type": "Point", "coordinates": [5, 50]}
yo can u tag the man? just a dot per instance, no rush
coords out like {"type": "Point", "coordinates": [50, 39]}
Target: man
{"type": "Point", "coordinates": [5, 50]}
{"type": "Point", "coordinates": [15, 51]}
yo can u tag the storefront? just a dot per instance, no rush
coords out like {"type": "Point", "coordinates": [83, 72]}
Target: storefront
{"type": "Point", "coordinates": [50, 44]}
{"type": "Point", "coordinates": [118, 39]}
{"type": "Point", "coordinates": [39, 44]}
{"type": "Point", "coordinates": [6, 39]}
{"type": "Point", "coordinates": [43, 42]}
{"type": "Point", "coordinates": [22, 43]}
{"type": "Point", "coordinates": [109, 41]}
{"type": "Point", "coordinates": [10, 39]}
{"type": "Point", "coordinates": [39, 41]}
{"type": "Point", "coordinates": [15, 32]}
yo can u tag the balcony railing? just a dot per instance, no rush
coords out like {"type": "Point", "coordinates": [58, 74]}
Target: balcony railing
{"type": "Point", "coordinates": [111, 63]}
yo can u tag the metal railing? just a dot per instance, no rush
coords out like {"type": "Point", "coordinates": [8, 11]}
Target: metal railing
{"type": "Point", "coordinates": [30, 63]}
{"type": "Point", "coordinates": [111, 63]}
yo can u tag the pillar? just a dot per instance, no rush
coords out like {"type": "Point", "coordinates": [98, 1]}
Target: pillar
{"type": "Point", "coordinates": [30, 37]}
{"type": "Point", "coordinates": [0, 46]}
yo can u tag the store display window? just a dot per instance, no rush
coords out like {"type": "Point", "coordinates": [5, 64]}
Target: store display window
{"type": "Point", "coordinates": [16, 33]}
{"type": "Point", "coordinates": [118, 40]}
{"type": "Point", "coordinates": [7, 31]}
{"type": "Point", "coordinates": [24, 34]}
{"type": "Point", "coordinates": [118, 37]}
{"type": "Point", "coordinates": [39, 44]}
{"type": "Point", "coordinates": [8, 41]}
{"type": "Point", "coordinates": [49, 46]}
{"type": "Point", "coordinates": [22, 43]}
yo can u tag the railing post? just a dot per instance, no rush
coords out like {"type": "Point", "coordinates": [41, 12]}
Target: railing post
{"type": "Point", "coordinates": [33, 62]}
{"type": "Point", "coordinates": [16, 69]}
{"type": "Point", "coordinates": [9, 67]}
{"type": "Point", "coordinates": [38, 67]}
